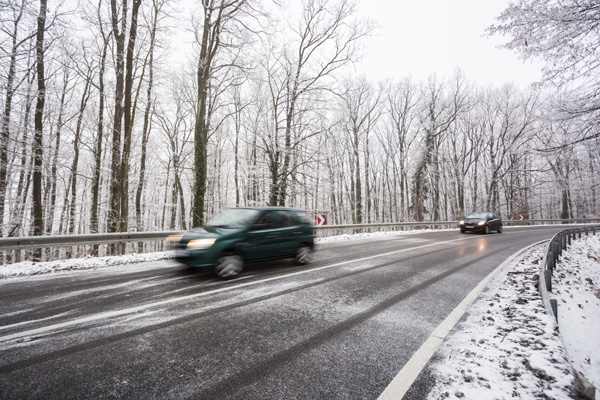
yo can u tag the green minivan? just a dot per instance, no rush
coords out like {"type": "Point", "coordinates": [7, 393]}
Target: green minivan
{"type": "Point", "coordinates": [244, 235]}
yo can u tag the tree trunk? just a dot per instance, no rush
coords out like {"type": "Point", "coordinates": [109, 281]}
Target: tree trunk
{"type": "Point", "coordinates": [5, 123]}
{"type": "Point", "coordinates": [202, 124]}
{"type": "Point", "coordinates": [128, 118]}
{"type": "Point", "coordinates": [145, 136]}
{"type": "Point", "coordinates": [38, 141]}
{"type": "Point", "coordinates": [357, 187]}
{"type": "Point", "coordinates": [114, 216]}
{"type": "Point", "coordinates": [52, 179]}
{"type": "Point", "coordinates": [420, 187]}
{"type": "Point", "coordinates": [98, 148]}
{"type": "Point", "coordinates": [76, 146]}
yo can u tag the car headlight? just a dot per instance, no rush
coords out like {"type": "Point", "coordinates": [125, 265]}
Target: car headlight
{"type": "Point", "coordinates": [461, 222]}
{"type": "Point", "coordinates": [481, 223]}
{"type": "Point", "coordinates": [199, 244]}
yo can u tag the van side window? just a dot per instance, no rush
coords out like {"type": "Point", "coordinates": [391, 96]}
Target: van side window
{"type": "Point", "coordinates": [287, 219]}
{"type": "Point", "coordinates": [302, 218]}
{"type": "Point", "coordinates": [265, 221]}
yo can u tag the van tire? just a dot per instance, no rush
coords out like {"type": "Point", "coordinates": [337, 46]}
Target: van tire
{"type": "Point", "coordinates": [304, 255]}
{"type": "Point", "coordinates": [229, 266]}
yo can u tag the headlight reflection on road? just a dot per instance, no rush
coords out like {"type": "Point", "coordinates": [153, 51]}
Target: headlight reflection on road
{"type": "Point", "coordinates": [482, 245]}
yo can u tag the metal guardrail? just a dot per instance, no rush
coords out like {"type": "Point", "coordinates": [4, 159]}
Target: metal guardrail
{"type": "Point", "coordinates": [36, 242]}
{"type": "Point", "coordinates": [16, 245]}
{"type": "Point", "coordinates": [559, 243]}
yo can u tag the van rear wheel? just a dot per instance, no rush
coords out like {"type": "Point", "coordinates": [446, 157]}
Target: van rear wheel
{"type": "Point", "coordinates": [304, 255]}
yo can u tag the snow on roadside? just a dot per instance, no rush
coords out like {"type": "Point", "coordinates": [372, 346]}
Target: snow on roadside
{"type": "Point", "coordinates": [28, 268]}
{"type": "Point", "coordinates": [372, 235]}
{"type": "Point", "coordinates": [508, 346]}
{"type": "Point", "coordinates": [576, 287]}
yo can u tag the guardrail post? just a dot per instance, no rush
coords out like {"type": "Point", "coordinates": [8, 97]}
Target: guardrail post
{"type": "Point", "coordinates": [559, 245]}
{"type": "Point", "coordinates": [548, 278]}
{"type": "Point", "coordinates": [554, 306]}
{"type": "Point", "coordinates": [551, 261]}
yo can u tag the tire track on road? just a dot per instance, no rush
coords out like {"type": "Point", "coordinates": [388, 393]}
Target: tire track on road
{"type": "Point", "coordinates": [62, 328]}
{"type": "Point", "coordinates": [228, 387]}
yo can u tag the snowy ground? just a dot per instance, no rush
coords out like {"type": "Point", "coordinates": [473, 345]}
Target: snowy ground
{"type": "Point", "coordinates": [507, 346]}
{"type": "Point", "coordinates": [29, 268]}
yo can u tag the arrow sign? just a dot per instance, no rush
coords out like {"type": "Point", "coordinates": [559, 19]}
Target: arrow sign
{"type": "Point", "coordinates": [321, 219]}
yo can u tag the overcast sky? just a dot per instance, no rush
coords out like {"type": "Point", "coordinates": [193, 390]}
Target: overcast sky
{"type": "Point", "coordinates": [419, 38]}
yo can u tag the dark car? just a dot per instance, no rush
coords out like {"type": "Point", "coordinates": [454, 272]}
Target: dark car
{"type": "Point", "coordinates": [243, 235]}
{"type": "Point", "coordinates": [484, 222]}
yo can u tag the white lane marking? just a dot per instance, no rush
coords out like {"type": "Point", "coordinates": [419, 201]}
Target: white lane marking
{"type": "Point", "coordinates": [117, 313]}
{"type": "Point", "coordinates": [411, 370]}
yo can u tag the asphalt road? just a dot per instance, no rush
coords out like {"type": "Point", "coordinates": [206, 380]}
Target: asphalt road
{"type": "Point", "coordinates": [340, 328]}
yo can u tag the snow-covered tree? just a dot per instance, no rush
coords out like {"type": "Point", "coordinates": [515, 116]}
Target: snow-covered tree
{"type": "Point", "coordinates": [565, 36]}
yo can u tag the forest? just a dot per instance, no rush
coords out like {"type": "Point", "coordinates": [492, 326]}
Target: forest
{"type": "Point", "coordinates": [131, 115]}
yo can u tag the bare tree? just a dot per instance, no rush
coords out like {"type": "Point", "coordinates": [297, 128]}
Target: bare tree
{"type": "Point", "coordinates": [51, 186]}
{"type": "Point", "coordinates": [218, 16]}
{"type": "Point", "coordinates": [360, 110]}
{"type": "Point", "coordinates": [509, 125]}
{"type": "Point", "coordinates": [149, 62]}
{"type": "Point", "coordinates": [119, 28]}
{"type": "Point", "coordinates": [175, 129]}
{"type": "Point", "coordinates": [440, 110]}
{"type": "Point", "coordinates": [324, 40]}
{"type": "Point", "coordinates": [38, 140]}
{"type": "Point", "coordinates": [566, 36]}
{"type": "Point", "coordinates": [129, 109]}
{"type": "Point", "coordinates": [98, 146]}
{"type": "Point", "coordinates": [464, 146]}
{"type": "Point", "coordinates": [18, 12]}
{"type": "Point", "coordinates": [397, 138]}
{"type": "Point", "coordinates": [20, 161]}
{"type": "Point", "coordinates": [74, 170]}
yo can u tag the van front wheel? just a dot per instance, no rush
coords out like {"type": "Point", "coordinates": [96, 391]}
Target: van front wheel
{"type": "Point", "coordinates": [229, 266]}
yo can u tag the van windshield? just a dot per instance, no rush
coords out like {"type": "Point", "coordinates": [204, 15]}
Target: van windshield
{"type": "Point", "coordinates": [234, 218]}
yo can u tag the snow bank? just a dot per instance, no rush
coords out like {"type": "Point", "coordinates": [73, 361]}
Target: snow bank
{"type": "Point", "coordinates": [27, 268]}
